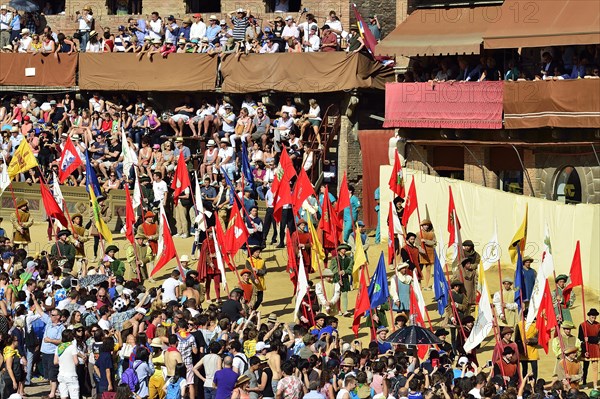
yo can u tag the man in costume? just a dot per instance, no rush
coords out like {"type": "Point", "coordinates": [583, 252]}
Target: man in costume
{"type": "Point", "coordinates": [589, 335]}
{"type": "Point", "coordinates": [328, 293]}
{"type": "Point", "coordinates": [79, 238]}
{"type": "Point", "coordinates": [149, 229]}
{"type": "Point", "coordinates": [257, 265]}
{"type": "Point", "coordinates": [456, 310]}
{"type": "Point", "coordinates": [506, 342]}
{"type": "Point", "coordinates": [400, 286]}
{"type": "Point", "coordinates": [341, 266]}
{"type": "Point", "coordinates": [410, 254]}
{"type": "Point", "coordinates": [21, 221]}
{"type": "Point", "coordinates": [504, 303]}
{"type": "Point", "coordinates": [529, 275]}
{"type": "Point", "coordinates": [304, 245]}
{"type": "Point", "coordinates": [467, 273]}
{"type": "Point", "coordinates": [138, 256]}
{"type": "Point", "coordinates": [62, 248]}
{"type": "Point", "coordinates": [117, 267]}
{"type": "Point", "coordinates": [426, 247]}
{"type": "Point", "coordinates": [566, 340]}
{"type": "Point", "coordinates": [570, 369]}
{"type": "Point", "coordinates": [106, 215]}
{"type": "Point", "coordinates": [562, 308]}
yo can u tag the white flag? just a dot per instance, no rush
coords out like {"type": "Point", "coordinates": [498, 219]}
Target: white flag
{"type": "Point", "coordinates": [58, 197]}
{"type": "Point", "coordinates": [129, 157]}
{"type": "Point", "coordinates": [4, 179]}
{"type": "Point", "coordinates": [491, 251]}
{"type": "Point", "coordinates": [302, 286]}
{"type": "Point", "coordinates": [201, 214]}
{"type": "Point", "coordinates": [137, 194]}
{"type": "Point", "coordinates": [545, 271]}
{"type": "Point", "coordinates": [161, 229]}
{"type": "Point", "coordinates": [418, 294]}
{"type": "Point", "coordinates": [483, 323]}
{"type": "Point", "coordinates": [219, 257]}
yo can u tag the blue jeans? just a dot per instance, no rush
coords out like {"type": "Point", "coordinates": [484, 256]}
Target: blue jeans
{"type": "Point", "coordinates": [210, 393]}
{"type": "Point", "coordinates": [30, 356]}
{"type": "Point", "coordinates": [85, 38]}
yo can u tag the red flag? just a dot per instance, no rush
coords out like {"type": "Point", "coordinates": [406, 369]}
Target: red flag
{"type": "Point", "coordinates": [292, 265]}
{"type": "Point", "coordinates": [204, 258]}
{"type": "Point", "coordinates": [362, 302]}
{"type": "Point", "coordinates": [286, 164]}
{"type": "Point", "coordinates": [343, 201]}
{"type": "Point", "coordinates": [129, 216]}
{"type": "Point", "coordinates": [51, 207]}
{"type": "Point", "coordinates": [453, 222]}
{"type": "Point", "coordinates": [181, 180]}
{"type": "Point", "coordinates": [168, 252]}
{"type": "Point", "coordinates": [283, 196]}
{"type": "Point", "coordinates": [328, 222]}
{"type": "Point", "coordinates": [397, 178]}
{"type": "Point", "coordinates": [69, 161]}
{"type": "Point", "coordinates": [546, 319]}
{"type": "Point", "coordinates": [575, 275]}
{"type": "Point", "coordinates": [302, 190]}
{"type": "Point", "coordinates": [414, 310]}
{"type": "Point", "coordinates": [365, 32]}
{"type": "Point", "coordinates": [391, 235]}
{"type": "Point", "coordinates": [237, 233]}
{"type": "Point", "coordinates": [411, 203]}
{"type": "Point", "coordinates": [221, 243]}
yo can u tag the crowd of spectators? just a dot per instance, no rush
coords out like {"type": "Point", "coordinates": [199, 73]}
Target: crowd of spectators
{"type": "Point", "coordinates": [240, 33]}
{"type": "Point", "coordinates": [553, 63]}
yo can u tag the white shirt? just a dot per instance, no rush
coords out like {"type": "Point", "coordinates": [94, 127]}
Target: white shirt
{"type": "Point", "coordinates": [170, 35]}
{"type": "Point", "coordinates": [239, 364]}
{"type": "Point", "coordinates": [250, 106]}
{"type": "Point", "coordinates": [5, 21]}
{"type": "Point", "coordinates": [334, 25]}
{"type": "Point", "coordinates": [270, 50]}
{"type": "Point", "coordinates": [24, 44]}
{"type": "Point", "coordinates": [198, 30]}
{"type": "Point", "coordinates": [85, 22]}
{"type": "Point", "coordinates": [66, 365]}
{"type": "Point", "coordinates": [224, 153]}
{"type": "Point", "coordinates": [290, 31]}
{"type": "Point", "coordinates": [476, 392]}
{"type": "Point", "coordinates": [104, 324]}
{"type": "Point", "coordinates": [169, 289]}
{"type": "Point", "coordinates": [315, 44]}
{"type": "Point", "coordinates": [155, 27]}
{"type": "Point", "coordinates": [229, 122]}
{"type": "Point", "coordinates": [93, 47]}
{"type": "Point", "coordinates": [160, 189]}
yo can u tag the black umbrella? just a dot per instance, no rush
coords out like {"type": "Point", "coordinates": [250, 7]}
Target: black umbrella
{"type": "Point", "coordinates": [413, 335]}
{"type": "Point", "coordinates": [24, 5]}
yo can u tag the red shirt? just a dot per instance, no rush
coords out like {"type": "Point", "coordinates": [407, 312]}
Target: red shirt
{"type": "Point", "coordinates": [329, 39]}
{"type": "Point", "coordinates": [151, 331]}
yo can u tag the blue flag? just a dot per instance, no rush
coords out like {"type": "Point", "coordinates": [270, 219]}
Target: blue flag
{"type": "Point", "coordinates": [440, 285]}
{"type": "Point", "coordinates": [232, 195]}
{"type": "Point", "coordinates": [519, 279]}
{"type": "Point", "coordinates": [246, 168]}
{"type": "Point", "coordinates": [90, 176]}
{"type": "Point", "coordinates": [378, 289]}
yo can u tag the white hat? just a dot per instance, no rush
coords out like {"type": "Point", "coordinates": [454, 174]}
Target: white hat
{"type": "Point", "coordinates": [240, 10]}
{"type": "Point", "coordinates": [184, 258]}
{"type": "Point", "coordinates": [3, 7]}
{"type": "Point", "coordinates": [463, 360]}
{"type": "Point", "coordinates": [223, 22]}
{"type": "Point", "coordinates": [141, 311]}
{"type": "Point", "coordinates": [25, 31]}
{"type": "Point", "coordinates": [90, 305]}
{"type": "Point", "coordinates": [402, 266]}
{"type": "Point", "coordinates": [213, 17]}
{"type": "Point", "coordinates": [127, 291]}
{"type": "Point", "coordinates": [261, 346]}
{"type": "Point", "coordinates": [289, 18]}
{"type": "Point", "coordinates": [15, 396]}
{"type": "Point", "coordinates": [211, 142]}
{"type": "Point", "coordinates": [15, 121]}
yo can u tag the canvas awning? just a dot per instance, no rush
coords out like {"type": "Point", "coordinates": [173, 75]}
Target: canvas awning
{"type": "Point", "coordinates": [540, 23]}
{"type": "Point", "coordinates": [439, 32]}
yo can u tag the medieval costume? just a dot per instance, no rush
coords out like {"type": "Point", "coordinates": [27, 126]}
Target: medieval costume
{"type": "Point", "coordinates": [426, 245]}
{"type": "Point", "coordinates": [562, 308]}
{"type": "Point", "coordinates": [467, 273]}
{"type": "Point", "coordinates": [137, 256]}
{"type": "Point", "coordinates": [504, 303]}
{"type": "Point", "coordinates": [21, 221]}
{"type": "Point", "coordinates": [343, 262]}
{"type": "Point", "coordinates": [328, 293]}
{"type": "Point", "coordinates": [566, 340]}
{"type": "Point", "coordinates": [400, 286]}
{"type": "Point", "coordinates": [589, 335]}
{"type": "Point", "coordinates": [150, 230]}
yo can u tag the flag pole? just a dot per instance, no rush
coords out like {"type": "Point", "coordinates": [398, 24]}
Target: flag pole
{"type": "Point", "coordinates": [501, 285]}
{"type": "Point", "coordinates": [365, 267]}
{"type": "Point", "coordinates": [496, 327]}
{"type": "Point", "coordinates": [454, 310]}
{"type": "Point", "coordinates": [584, 324]}
{"type": "Point", "coordinates": [560, 338]}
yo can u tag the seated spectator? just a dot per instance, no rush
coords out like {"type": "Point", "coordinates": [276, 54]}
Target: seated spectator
{"type": "Point", "coordinates": [48, 44]}
{"type": "Point", "coordinates": [262, 124]}
{"type": "Point", "coordinates": [356, 43]}
{"type": "Point", "coordinates": [445, 73]}
{"type": "Point", "coordinates": [25, 41]}
{"type": "Point", "coordinates": [270, 47]}
{"type": "Point", "coordinates": [329, 40]}
{"type": "Point", "coordinates": [121, 38]}
{"type": "Point", "coordinates": [290, 30]}
{"type": "Point", "coordinates": [313, 42]}
{"type": "Point", "coordinates": [490, 72]}
{"type": "Point", "coordinates": [94, 45]}
{"type": "Point", "coordinates": [548, 65]}
{"type": "Point", "coordinates": [35, 46]}
{"type": "Point", "coordinates": [282, 129]}
{"type": "Point", "coordinates": [167, 48]}
{"type": "Point", "coordinates": [198, 28]}
{"type": "Point", "coordinates": [334, 23]}
{"type": "Point", "coordinates": [226, 119]}
{"type": "Point", "coordinates": [294, 45]}
{"type": "Point", "coordinates": [213, 28]}
{"type": "Point", "coordinates": [243, 128]}
{"type": "Point", "coordinates": [182, 115]}
{"type": "Point", "coordinates": [65, 45]}
{"type": "Point", "coordinates": [513, 72]}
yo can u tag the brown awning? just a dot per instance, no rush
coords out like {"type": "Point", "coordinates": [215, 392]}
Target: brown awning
{"type": "Point", "coordinates": [37, 69]}
{"type": "Point", "coordinates": [439, 32]}
{"type": "Point", "coordinates": [177, 72]}
{"type": "Point", "coordinates": [302, 72]}
{"type": "Point", "coordinates": [539, 23]}
{"type": "Point", "coordinates": [555, 103]}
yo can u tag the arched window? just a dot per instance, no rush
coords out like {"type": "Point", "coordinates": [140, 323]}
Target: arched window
{"type": "Point", "coordinates": [567, 186]}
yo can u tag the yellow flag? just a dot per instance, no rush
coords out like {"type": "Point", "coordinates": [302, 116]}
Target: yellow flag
{"type": "Point", "coordinates": [359, 258]}
{"type": "Point", "coordinates": [520, 239]}
{"type": "Point", "coordinates": [317, 246]}
{"type": "Point", "coordinates": [98, 221]}
{"type": "Point", "coordinates": [22, 160]}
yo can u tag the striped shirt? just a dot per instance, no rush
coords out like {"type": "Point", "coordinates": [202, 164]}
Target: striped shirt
{"type": "Point", "coordinates": [239, 28]}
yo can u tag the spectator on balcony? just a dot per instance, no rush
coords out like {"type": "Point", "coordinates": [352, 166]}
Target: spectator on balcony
{"type": "Point", "coordinates": [578, 68]}
{"type": "Point", "coordinates": [548, 65]}
{"type": "Point", "coordinates": [31, 21]}
{"type": "Point", "coordinates": [491, 71]}
{"type": "Point", "coordinates": [290, 30]}
{"type": "Point", "coordinates": [167, 48]}
{"type": "Point", "coordinates": [36, 45]}
{"type": "Point", "coordinates": [48, 30]}
{"type": "Point", "coordinates": [155, 26]}
{"type": "Point", "coordinates": [240, 23]}
{"type": "Point", "coordinates": [121, 38]}
{"type": "Point", "coordinates": [312, 120]}
{"type": "Point", "coordinates": [93, 45]}
{"type": "Point", "coordinates": [108, 41]}
{"type": "Point", "coordinates": [356, 43]}
{"type": "Point", "coordinates": [513, 72]}
{"type": "Point", "coordinates": [24, 42]}
{"type": "Point", "coordinates": [445, 73]}
{"type": "Point", "coordinates": [313, 42]}
{"type": "Point", "coordinates": [198, 28]}
{"type": "Point", "coordinates": [294, 46]}
{"type": "Point", "coordinates": [171, 29]}
{"type": "Point", "coordinates": [270, 47]}
{"type": "Point", "coordinates": [304, 26]}
{"type": "Point", "coordinates": [329, 41]}
{"type": "Point", "coordinates": [186, 28]}
{"type": "Point", "coordinates": [334, 23]}
{"type": "Point", "coordinates": [375, 27]}
{"type": "Point", "coordinates": [213, 28]}
{"type": "Point", "coordinates": [48, 44]}
{"type": "Point", "coordinates": [6, 18]}
{"type": "Point", "coordinates": [137, 29]}
{"type": "Point", "coordinates": [85, 20]}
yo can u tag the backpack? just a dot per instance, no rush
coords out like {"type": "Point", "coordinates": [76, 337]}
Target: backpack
{"type": "Point", "coordinates": [242, 369]}
{"type": "Point", "coordinates": [174, 388]}
{"type": "Point", "coordinates": [31, 340]}
{"type": "Point", "coordinates": [130, 378]}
